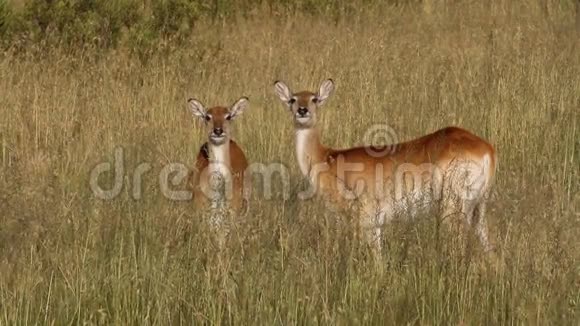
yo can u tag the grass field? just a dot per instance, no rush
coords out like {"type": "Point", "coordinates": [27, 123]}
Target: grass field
{"type": "Point", "coordinates": [506, 71]}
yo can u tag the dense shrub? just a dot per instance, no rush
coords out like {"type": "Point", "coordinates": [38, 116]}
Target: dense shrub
{"type": "Point", "coordinates": [104, 24]}
{"type": "Point", "coordinates": [4, 16]}
{"type": "Point", "coordinates": [75, 22]}
{"type": "Point", "coordinates": [101, 24]}
{"type": "Point", "coordinates": [143, 26]}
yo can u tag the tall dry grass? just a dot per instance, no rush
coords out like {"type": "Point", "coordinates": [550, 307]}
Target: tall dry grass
{"type": "Point", "coordinates": [507, 72]}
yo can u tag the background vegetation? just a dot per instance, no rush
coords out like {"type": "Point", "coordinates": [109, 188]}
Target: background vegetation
{"type": "Point", "coordinates": [79, 78]}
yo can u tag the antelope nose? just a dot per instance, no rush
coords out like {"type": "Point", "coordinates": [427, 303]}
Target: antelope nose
{"type": "Point", "coordinates": [302, 111]}
{"type": "Point", "coordinates": [218, 131]}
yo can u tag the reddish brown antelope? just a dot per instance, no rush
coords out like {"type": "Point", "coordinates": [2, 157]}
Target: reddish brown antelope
{"type": "Point", "coordinates": [219, 177]}
{"type": "Point", "coordinates": [450, 169]}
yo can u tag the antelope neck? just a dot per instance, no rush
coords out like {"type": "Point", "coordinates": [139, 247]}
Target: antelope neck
{"type": "Point", "coordinates": [219, 154]}
{"type": "Point", "coordinates": [309, 150]}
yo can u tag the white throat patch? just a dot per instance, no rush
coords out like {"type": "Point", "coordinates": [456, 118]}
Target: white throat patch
{"type": "Point", "coordinates": [220, 177]}
{"type": "Point", "coordinates": [303, 136]}
{"type": "Point", "coordinates": [219, 159]}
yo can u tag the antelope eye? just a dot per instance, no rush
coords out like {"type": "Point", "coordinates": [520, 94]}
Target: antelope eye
{"type": "Point", "coordinates": [292, 100]}
{"type": "Point", "coordinates": [207, 118]}
{"type": "Point", "coordinates": [315, 100]}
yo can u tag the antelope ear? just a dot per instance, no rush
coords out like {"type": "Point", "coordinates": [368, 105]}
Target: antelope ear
{"type": "Point", "coordinates": [326, 89]}
{"type": "Point", "coordinates": [283, 91]}
{"type": "Point", "coordinates": [196, 108]}
{"type": "Point", "coordinates": [238, 108]}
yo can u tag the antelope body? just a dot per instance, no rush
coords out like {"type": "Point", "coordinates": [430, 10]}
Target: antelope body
{"type": "Point", "coordinates": [220, 166]}
{"type": "Point", "coordinates": [450, 169]}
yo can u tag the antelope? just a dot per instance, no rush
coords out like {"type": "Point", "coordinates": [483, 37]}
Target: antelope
{"type": "Point", "coordinates": [218, 178]}
{"type": "Point", "coordinates": [450, 169]}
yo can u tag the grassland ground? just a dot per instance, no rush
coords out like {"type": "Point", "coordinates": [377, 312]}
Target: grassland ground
{"type": "Point", "coordinates": [506, 72]}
